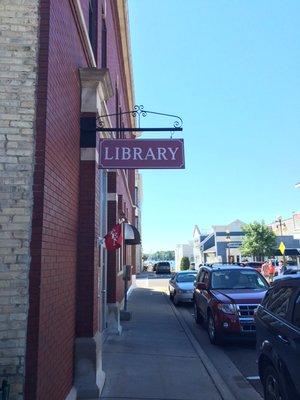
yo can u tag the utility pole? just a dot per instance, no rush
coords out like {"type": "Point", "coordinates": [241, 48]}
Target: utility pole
{"type": "Point", "coordinates": [228, 240]}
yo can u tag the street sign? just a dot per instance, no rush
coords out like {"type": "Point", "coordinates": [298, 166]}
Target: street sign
{"type": "Point", "coordinates": [234, 245]}
{"type": "Point", "coordinates": [141, 153]}
{"type": "Point", "coordinates": [281, 248]}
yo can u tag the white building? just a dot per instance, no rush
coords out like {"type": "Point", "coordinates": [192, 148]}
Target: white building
{"type": "Point", "coordinates": [183, 250]}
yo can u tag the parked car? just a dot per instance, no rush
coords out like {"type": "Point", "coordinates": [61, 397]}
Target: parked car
{"type": "Point", "coordinates": [254, 264]}
{"type": "Point", "coordinates": [163, 267]}
{"type": "Point", "coordinates": [181, 286]}
{"type": "Point", "coordinates": [278, 339]}
{"type": "Point", "coordinates": [292, 270]}
{"type": "Point", "coordinates": [226, 297]}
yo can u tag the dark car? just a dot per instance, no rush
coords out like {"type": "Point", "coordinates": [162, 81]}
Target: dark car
{"type": "Point", "coordinates": [254, 264]}
{"type": "Point", "coordinates": [278, 339]}
{"type": "Point", "coordinates": [226, 297]}
{"type": "Point", "coordinates": [291, 270]}
{"type": "Point", "coordinates": [163, 267]}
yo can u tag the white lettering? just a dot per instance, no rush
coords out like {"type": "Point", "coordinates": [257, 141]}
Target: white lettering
{"type": "Point", "coordinates": [161, 153]}
{"type": "Point", "coordinates": [125, 153]}
{"type": "Point", "coordinates": [150, 154]}
{"type": "Point", "coordinates": [137, 151]}
{"type": "Point", "coordinates": [117, 153]}
{"type": "Point", "coordinates": [173, 152]}
{"type": "Point", "coordinates": [106, 154]}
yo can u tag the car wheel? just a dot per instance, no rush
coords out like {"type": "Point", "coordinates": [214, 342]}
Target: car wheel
{"type": "Point", "coordinates": [211, 329]}
{"type": "Point", "coordinates": [273, 387]}
{"type": "Point", "coordinates": [171, 295]}
{"type": "Point", "coordinates": [197, 315]}
{"type": "Point", "coordinates": [175, 300]}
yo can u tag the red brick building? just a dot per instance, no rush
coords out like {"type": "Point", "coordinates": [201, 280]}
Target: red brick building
{"type": "Point", "coordinates": [72, 289]}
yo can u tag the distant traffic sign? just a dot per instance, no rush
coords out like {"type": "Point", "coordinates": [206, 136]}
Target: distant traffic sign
{"type": "Point", "coordinates": [281, 248]}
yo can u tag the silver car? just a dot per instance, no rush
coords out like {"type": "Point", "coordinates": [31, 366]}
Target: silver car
{"type": "Point", "coordinates": [181, 286]}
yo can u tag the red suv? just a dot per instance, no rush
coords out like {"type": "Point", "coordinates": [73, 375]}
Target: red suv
{"type": "Point", "coordinates": [226, 298]}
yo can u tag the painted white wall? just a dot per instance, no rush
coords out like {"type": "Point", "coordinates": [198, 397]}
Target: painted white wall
{"type": "Point", "coordinates": [183, 250]}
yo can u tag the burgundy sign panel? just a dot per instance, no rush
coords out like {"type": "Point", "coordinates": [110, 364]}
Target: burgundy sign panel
{"type": "Point", "coordinates": [141, 153]}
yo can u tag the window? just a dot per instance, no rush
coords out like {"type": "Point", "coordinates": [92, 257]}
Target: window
{"type": "Point", "coordinates": [205, 278]}
{"type": "Point", "coordinates": [200, 276]}
{"type": "Point", "coordinates": [296, 312]}
{"type": "Point", "coordinates": [103, 43]}
{"type": "Point", "coordinates": [118, 136]}
{"type": "Point", "coordinates": [93, 25]}
{"type": "Point", "coordinates": [277, 301]}
{"type": "Point", "coordinates": [186, 277]}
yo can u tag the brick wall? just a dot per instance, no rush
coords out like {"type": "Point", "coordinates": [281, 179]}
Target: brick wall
{"type": "Point", "coordinates": [51, 327]}
{"type": "Point", "coordinates": [88, 252]}
{"type": "Point", "coordinates": [18, 78]}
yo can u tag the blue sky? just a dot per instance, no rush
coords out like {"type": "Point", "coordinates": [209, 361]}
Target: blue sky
{"type": "Point", "coordinates": [231, 70]}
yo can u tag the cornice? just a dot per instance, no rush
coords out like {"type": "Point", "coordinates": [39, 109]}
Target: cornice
{"type": "Point", "coordinates": [122, 11]}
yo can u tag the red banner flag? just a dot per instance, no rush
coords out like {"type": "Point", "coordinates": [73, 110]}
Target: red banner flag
{"type": "Point", "coordinates": [114, 238]}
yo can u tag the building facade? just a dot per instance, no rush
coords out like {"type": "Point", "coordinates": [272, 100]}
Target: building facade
{"type": "Point", "coordinates": [222, 244]}
{"type": "Point", "coordinates": [64, 64]}
{"type": "Point", "coordinates": [198, 237]}
{"type": "Point", "coordinates": [287, 231]}
{"type": "Point", "coordinates": [183, 250]}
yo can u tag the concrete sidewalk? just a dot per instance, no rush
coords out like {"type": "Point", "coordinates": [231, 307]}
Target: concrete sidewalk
{"type": "Point", "coordinates": [156, 358]}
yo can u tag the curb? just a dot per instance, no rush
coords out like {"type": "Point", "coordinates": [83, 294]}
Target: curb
{"type": "Point", "coordinates": [247, 392]}
{"type": "Point", "coordinates": [218, 381]}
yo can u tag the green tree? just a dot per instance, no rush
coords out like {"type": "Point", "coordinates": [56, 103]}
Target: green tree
{"type": "Point", "coordinates": [259, 240]}
{"type": "Point", "coordinates": [164, 255]}
{"type": "Point", "coordinates": [184, 263]}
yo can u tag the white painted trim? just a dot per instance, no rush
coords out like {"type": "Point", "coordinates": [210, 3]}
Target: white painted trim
{"type": "Point", "coordinates": [89, 154]}
{"type": "Point", "coordinates": [112, 197]}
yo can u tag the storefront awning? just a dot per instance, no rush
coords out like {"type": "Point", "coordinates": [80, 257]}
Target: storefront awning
{"type": "Point", "coordinates": [131, 235]}
{"type": "Point", "coordinates": [288, 252]}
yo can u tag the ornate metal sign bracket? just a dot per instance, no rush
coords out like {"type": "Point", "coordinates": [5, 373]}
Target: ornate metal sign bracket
{"type": "Point", "coordinates": [139, 112]}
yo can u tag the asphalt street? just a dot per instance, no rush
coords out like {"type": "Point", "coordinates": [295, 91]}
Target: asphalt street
{"type": "Point", "coordinates": [233, 359]}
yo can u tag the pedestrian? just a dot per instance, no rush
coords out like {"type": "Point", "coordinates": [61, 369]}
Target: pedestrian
{"type": "Point", "coordinates": [283, 267]}
{"type": "Point", "coordinates": [265, 269]}
{"type": "Point", "coordinates": [280, 268]}
{"type": "Point", "coordinates": [271, 271]}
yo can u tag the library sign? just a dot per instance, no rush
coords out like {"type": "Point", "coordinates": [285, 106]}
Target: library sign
{"type": "Point", "coordinates": [141, 153]}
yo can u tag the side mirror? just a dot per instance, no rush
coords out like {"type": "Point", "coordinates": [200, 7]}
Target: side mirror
{"type": "Point", "coordinates": [201, 286]}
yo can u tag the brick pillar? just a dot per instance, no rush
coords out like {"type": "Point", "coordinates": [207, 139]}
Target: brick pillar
{"type": "Point", "coordinates": [89, 377]}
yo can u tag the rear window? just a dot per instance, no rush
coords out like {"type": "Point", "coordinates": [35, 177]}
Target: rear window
{"type": "Point", "coordinates": [186, 277]}
{"type": "Point", "coordinates": [163, 264]}
{"type": "Point", "coordinates": [277, 301]}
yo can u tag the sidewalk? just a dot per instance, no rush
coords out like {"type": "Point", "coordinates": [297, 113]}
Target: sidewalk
{"type": "Point", "coordinates": [156, 358]}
